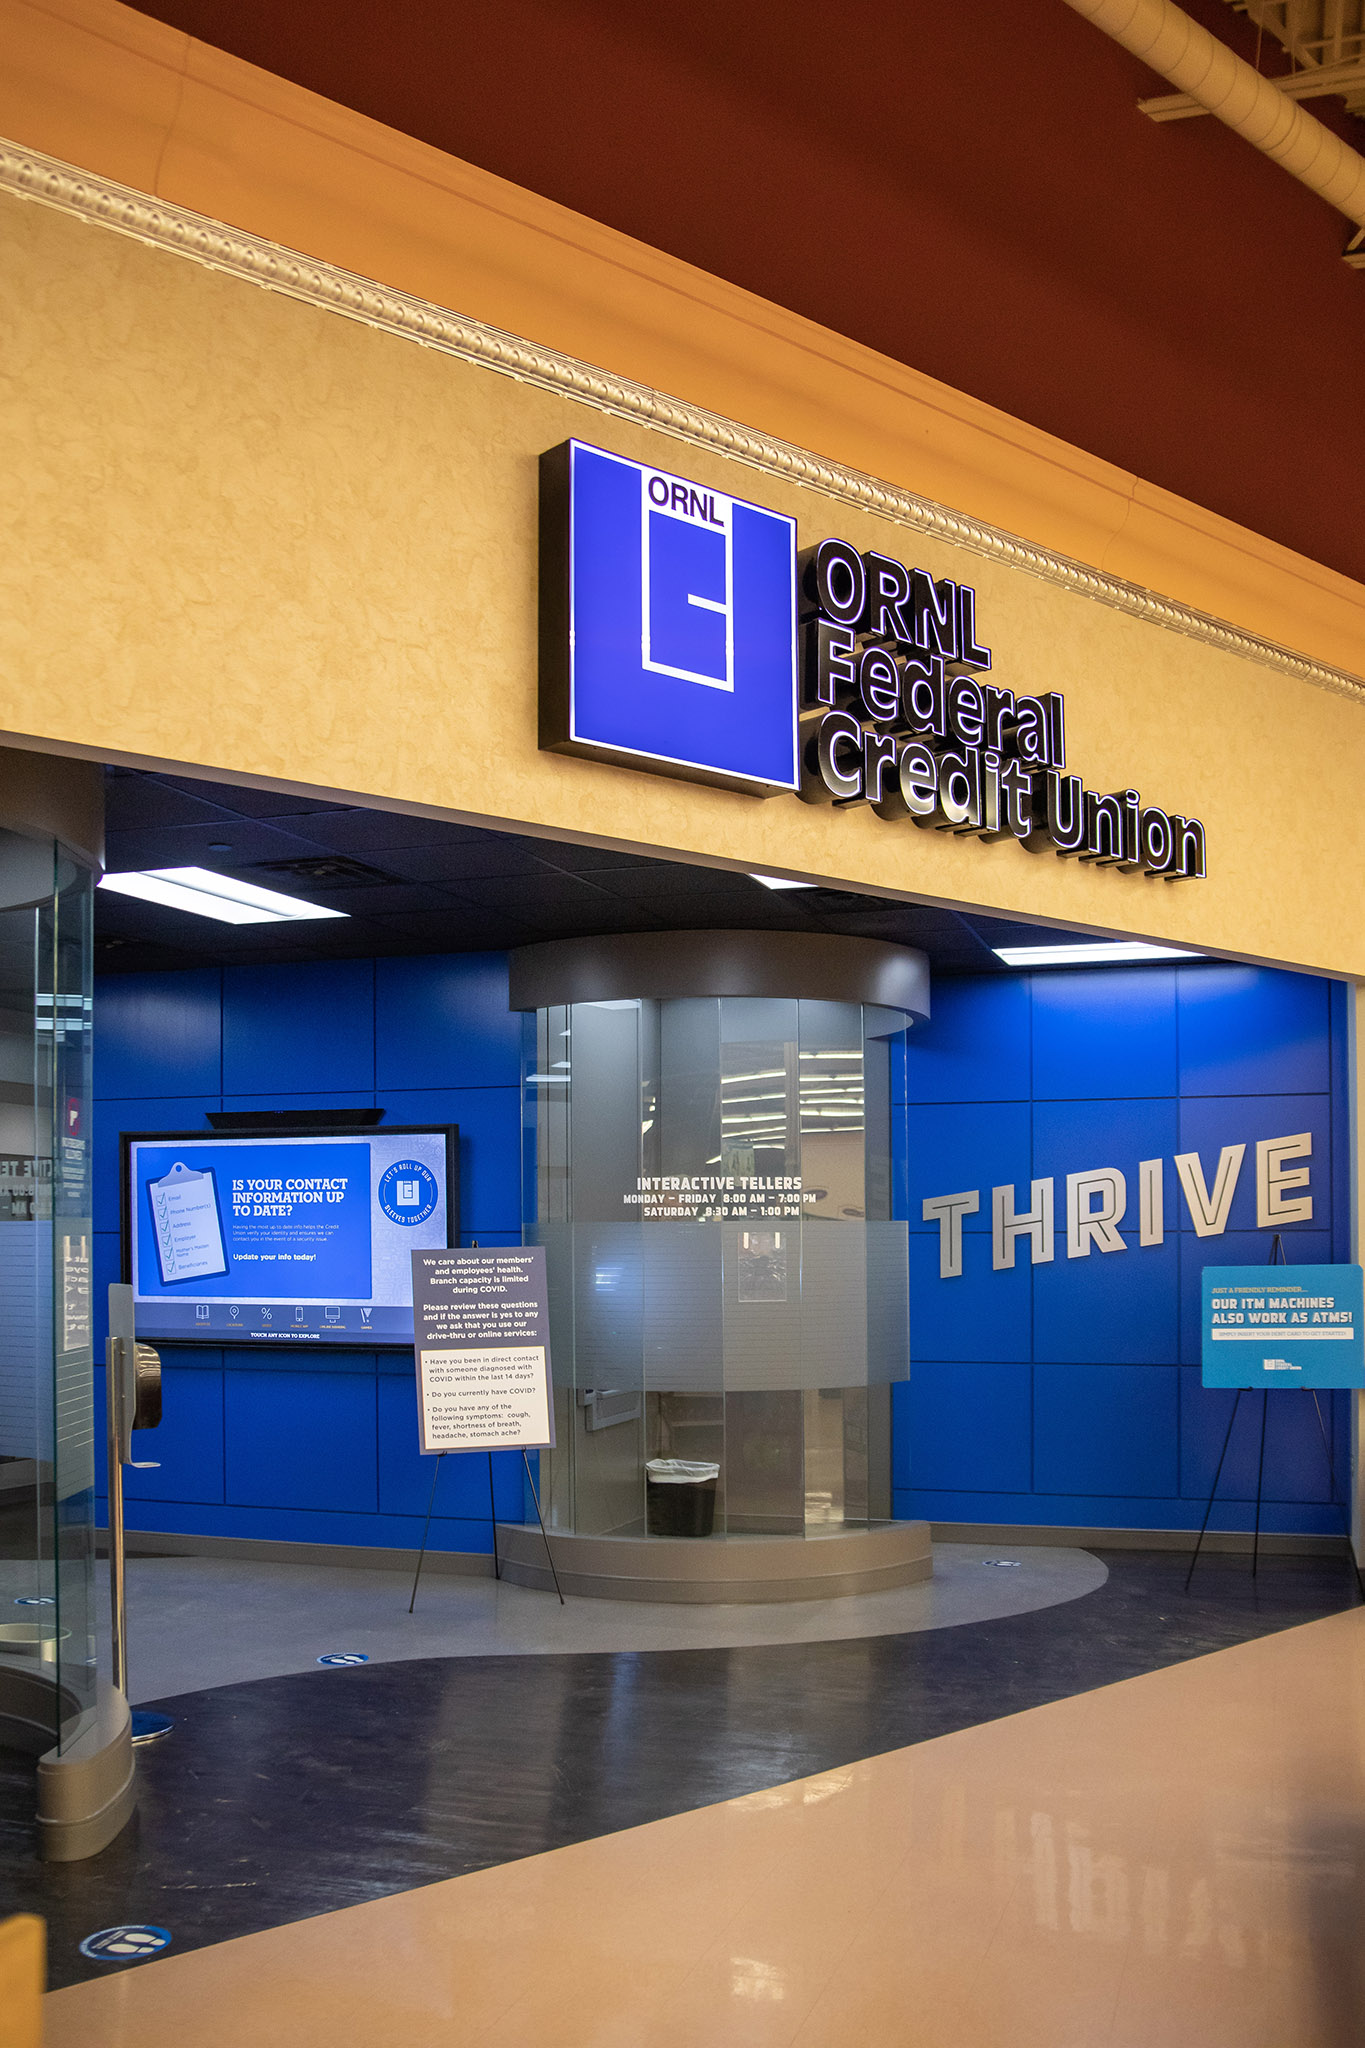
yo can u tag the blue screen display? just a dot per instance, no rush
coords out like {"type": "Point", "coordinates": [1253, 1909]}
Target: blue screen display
{"type": "Point", "coordinates": [283, 1239]}
{"type": "Point", "coordinates": [682, 619]}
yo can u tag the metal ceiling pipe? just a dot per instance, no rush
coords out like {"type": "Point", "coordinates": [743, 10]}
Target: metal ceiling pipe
{"type": "Point", "coordinates": [1168, 41]}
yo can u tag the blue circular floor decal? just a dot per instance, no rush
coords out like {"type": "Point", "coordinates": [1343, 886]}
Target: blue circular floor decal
{"type": "Point", "coordinates": [125, 1944]}
{"type": "Point", "coordinates": [344, 1657]}
{"type": "Point", "coordinates": [408, 1192]}
{"type": "Point", "coordinates": [35, 1600]}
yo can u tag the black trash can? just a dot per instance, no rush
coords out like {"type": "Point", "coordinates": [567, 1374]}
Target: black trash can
{"type": "Point", "coordinates": [680, 1497]}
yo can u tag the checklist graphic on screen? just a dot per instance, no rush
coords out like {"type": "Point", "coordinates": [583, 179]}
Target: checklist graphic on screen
{"type": "Point", "coordinates": [186, 1224]}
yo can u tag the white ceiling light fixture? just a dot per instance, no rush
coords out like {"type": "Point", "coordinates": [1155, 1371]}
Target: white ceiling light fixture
{"type": "Point", "coordinates": [1090, 953]}
{"type": "Point", "coordinates": [206, 894]}
{"type": "Point", "coordinates": [781, 882]}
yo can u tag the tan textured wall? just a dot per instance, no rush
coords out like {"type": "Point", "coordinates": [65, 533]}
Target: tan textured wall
{"type": "Point", "coordinates": [98, 85]}
{"type": "Point", "coordinates": [247, 534]}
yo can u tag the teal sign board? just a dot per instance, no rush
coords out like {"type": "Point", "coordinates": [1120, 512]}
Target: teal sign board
{"type": "Point", "coordinates": [1284, 1326]}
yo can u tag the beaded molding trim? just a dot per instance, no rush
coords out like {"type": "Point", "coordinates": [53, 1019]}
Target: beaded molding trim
{"type": "Point", "coordinates": [28, 174]}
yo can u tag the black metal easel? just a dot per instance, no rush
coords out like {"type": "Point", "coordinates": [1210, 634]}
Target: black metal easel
{"type": "Point", "coordinates": [1277, 1257]}
{"type": "Point", "coordinates": [541, 1519]}
{"type": "Point", "coordinates": [493, 1518]}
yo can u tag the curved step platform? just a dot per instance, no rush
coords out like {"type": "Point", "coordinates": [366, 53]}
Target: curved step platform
{"type": "Point", "coordinates": [720, 1568]}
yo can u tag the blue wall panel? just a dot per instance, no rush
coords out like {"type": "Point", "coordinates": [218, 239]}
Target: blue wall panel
{"type": "Point", "coordinates": [964, 1319]}
{"type": "Point", "coordinates": [1251, 1030]}
{"type": "Point", "coordinates": [976, 1046]}
{"type": "Point", "coordinates": [1296, 1458]}
{"type": "Point", "coordinates": [1069, 1137]}
{"type": "Point", "coordinates": [443, 1022]}
{"type": "Point", "coordinates": [1048, 1395]}
{"type": "Point", "coordinates": [261, 1443]}
{"type": "Point", "coordinates": [1109, 1429]}
{"type": "Point", "coordinates": [188, 1445]}
{"type": "Point", "coordinates": [965, 1426]}
{"type": "Point", "coordinates": [1100, 1352]}
{"type": "Point", "coordinates": [985, 1142]}
{"type": "Point", "coordinates": [1109, 1034]}
{"type": "Point", "coordinates": [329, 1042]}
{"type": "Point", "coordinates": [1112, 1308]}
{"type": "Point", "coordinates": [300, 1439]}
{"type": "Point", "coordinates": [159, 1034]}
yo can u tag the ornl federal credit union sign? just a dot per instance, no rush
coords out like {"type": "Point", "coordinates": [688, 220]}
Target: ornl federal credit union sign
{"type": "Point", "coordinates": [682, 632]}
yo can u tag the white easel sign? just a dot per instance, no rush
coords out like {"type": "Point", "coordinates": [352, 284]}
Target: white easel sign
{"type": "Point", "coordinates": [481, 1334]}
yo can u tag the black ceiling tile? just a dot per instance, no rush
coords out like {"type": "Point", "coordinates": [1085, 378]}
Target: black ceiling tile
{"type": "Point", "coordinates": [540, 895]}
{"type": "Point", "coordinates": [1001, 931]}
{"type": "Point", "coordinates": [473, 860]}
{"type": "Point", "coordinates": [370, 832]}
{"type": "Point", "coordinates": [463, 927]}
{"type": "Point", "coordinates": [384, 900]}
{"type": "Point", "coordinates": [669, 881]}
{"type": "Point", "coordinates": [185, 846]}
{"type": "Point", "coordinates": [582, 860]}
{"type": "Point", "coordinates": [250, 803]}
{"type": "Point", "coordinates": [143, 802]}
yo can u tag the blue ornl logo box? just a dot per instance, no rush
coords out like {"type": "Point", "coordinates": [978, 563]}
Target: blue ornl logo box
{"type": "Point", "coordinates": [668, 624]}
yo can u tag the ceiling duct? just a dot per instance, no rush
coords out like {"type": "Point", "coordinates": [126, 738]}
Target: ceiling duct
{"type": "Point", "coordinates": [1164, 37]}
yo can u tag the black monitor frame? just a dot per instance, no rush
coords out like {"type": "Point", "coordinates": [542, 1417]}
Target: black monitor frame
{"type": "Point", "coordinates": [209, 1136]}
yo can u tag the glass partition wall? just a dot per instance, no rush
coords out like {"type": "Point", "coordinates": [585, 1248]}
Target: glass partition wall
{"type": "Point", "coordinates": [712, 1180]}
{"type": "Point", "coordinates": [47, 1465]}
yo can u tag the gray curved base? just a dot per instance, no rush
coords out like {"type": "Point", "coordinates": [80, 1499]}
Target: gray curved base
{"type": "Point", "coordinates": [720, 1569]}
{"type": "Point", "coordinates": [87, 1789]}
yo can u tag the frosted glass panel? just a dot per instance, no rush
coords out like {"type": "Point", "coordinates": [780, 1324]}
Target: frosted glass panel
{"type": "Point", "coordinates": [711, 1180]}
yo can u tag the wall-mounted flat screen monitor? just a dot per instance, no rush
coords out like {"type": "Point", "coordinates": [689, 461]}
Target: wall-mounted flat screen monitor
{"type": "Point", "coordinates": [284, 1238]}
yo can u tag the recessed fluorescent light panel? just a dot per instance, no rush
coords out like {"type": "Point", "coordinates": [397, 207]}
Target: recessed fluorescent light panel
{"type": "Point", "coordinates": [1090, 953]}
{"type": "Point", "coordinates": [780, 882]}
{"type": "Point", "coordinates": [206, 894]}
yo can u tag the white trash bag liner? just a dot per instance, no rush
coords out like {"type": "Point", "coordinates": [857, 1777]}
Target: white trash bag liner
{"type": "Point", "coordinates": [680, 1472]}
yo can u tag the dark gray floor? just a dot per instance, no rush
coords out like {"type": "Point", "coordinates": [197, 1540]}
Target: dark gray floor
{"type": "Point", "coordinates": [285, 1797]}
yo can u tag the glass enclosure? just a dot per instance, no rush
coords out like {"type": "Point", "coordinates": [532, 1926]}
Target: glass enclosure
{"type": "Point", "coordinates": [47, 1464]}
{"type": "Point", "coordinates": [712, 1180]}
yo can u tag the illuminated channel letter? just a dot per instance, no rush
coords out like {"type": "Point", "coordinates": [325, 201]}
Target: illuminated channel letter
{"type": "Point", "coordinates": [1151, 1202]}
{"type": "Point", "coordinates": [1088, 1224]}
{"type": "Point", "coordinates": [888, 588]}
{"type": "Point", "coordinates": [1156, 840]}
{"type": "Point", "coordinates": [918, 780]}
{"type": "Point", "coordinates": [1007, 1226]}
{"type": "Point", "coordinates": [1209, 1212]}
{"type": "Point", "coordinates": [1103, 828]}
{"type": "Point", "coordinates": [1273, 1205]}
{"type": "Point", "coordinates": [833, 581]}
{"type": "Point", "coordinates": [948, 1211]}
{"type": "Point", "coordinates": [827, 666]}
{"type": "Point", "coordinates": [833, 760]}
{"type": "Point", "coordinates": [933, 615]}
{"type": "Point", "coordinates": [1059, 809]}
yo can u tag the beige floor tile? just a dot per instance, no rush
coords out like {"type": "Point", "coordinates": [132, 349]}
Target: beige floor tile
{"type": "Point", "coordinates": [1176, 1860]}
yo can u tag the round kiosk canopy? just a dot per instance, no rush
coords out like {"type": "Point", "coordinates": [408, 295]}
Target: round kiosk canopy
{"type": "Point", "coordinates": [816, 966]}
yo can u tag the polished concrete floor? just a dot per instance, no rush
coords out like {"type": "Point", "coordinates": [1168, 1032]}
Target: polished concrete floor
{"type": "Point", "coordinates": [280, 1798]}
{"type": "Point", "coordinates": [1175, 1860]}
{"type": "Point", "coordinates": [197, 1621]}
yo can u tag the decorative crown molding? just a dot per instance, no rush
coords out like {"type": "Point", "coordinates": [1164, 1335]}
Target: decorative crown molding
{"type": "Point", "coordinates": [28, 174]}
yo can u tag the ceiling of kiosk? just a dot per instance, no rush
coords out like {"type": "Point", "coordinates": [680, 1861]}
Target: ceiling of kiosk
{"type": "Point", "coordinates": [419, 885]}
